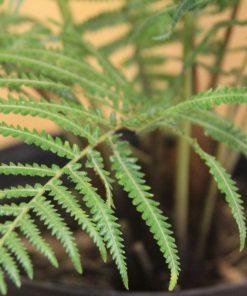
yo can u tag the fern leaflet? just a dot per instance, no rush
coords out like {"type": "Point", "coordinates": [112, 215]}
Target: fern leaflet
{"type": "Point", "coordinates": [131, 178]}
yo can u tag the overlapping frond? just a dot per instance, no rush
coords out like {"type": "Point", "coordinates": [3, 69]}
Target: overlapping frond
{"type": "Point", "coordinates": [225, 184]}
{"type": "Point", "coordinates": [96, 162]}
{"type": "Point", "coordinates": [42, 140]}
{"type": "Point", "coordinates": [74, 84]}
{"type": "Point", "coordinates": [201, 101]}
{"type": "Point", "coordinates": [129, 175]}
{"type": "Point", "coordinates": [220, 129]}
{"type": "Point", "coordinates": [104, 218]}
{"type": "Point", "coordinates": [229, 188]}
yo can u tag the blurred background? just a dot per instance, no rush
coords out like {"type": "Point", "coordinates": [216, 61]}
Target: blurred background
{"type": "Point", "coordinates": [46, 10]}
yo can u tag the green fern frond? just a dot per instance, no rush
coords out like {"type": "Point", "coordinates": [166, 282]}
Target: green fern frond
{"type": "Point", "coordinates": [31, 232]}
{"type": "Point", "coordinates": [42, 140]}
{"type": "Point", "coordinates": [70, 204]}
{"type": "Point", "coordinates": [35, 108]}
{"type": "Point", "coordinates": [77, 87]}
{"type": "Point", "coordinates": [104, 218]}
{"type": "Point", "coordinates": [208, 99]}
{"type": "Point", "coordinates": [12, 210]}
{"type": "Point", "coordinates": [3, 287]}
{"type": "Point", "coordinates": [219, 129]}
{"type": "Point", "coordinates": [56, 112]}
{"type": "Point", "coordinates": [28, 169]}
{"type": "Point", "coordinates": [96, 162]}
{"type": "Point", "coordinates": [228, 187]}
{"type": "Point", "coordinates": [129, 175]}
{"type": "Point", "coordinates": [20, 191]}
{"type": "Point", "coordinates": [10, 267]}
{"type": "Point", "coordinates": [224, 182]}
{"type": "Point", "coordinates": [58, 73]}
{"type": "Point", "coordinates": [102, 20]}
{"type": "Point", "coordinates": [202, 101]}
{"type": "Point", "coordinates": [13, 82]}
{"type": "Point", "coordinates": [67, 59]}
{"type": "Point", "coordinates": [16, 247]}
{"type": "Point", "coordinates": [52, 219]}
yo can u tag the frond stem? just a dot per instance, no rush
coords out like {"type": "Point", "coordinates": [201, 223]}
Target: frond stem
{"type": "Point", "coordinates": [183, 150]}
{"type": "Point", "coordinates": [59, 174]}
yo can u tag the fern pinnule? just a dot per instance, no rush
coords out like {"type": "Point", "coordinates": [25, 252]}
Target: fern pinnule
{"type": "Point", "coordinates": [58, 73]}
{"type": "Point", "coordinates": [38, 82]}
{"type": "Point", "coordinates": [52, 219]}
{"type": "Point", "coordinates": [34, 108]}
{"type": "Point", "coordinates": [228, 187]}
{"type": "Point", "coordinates": [11, 210]}
{"type": "Point", "coordinates": [68, 60]}
{"type": "Point", "coordinates": [225, 184]}
{"type": "Point", "coordinates": [42, 140]}
{"type": "Point", "coordinates": [129, 175]}
{"type": "Point", "coordinates": [95, 161]}
{"type": "Point", "coordinates": [3, 287]}
{"type": "Point", "coordinates": [20, 191]}
{"type": "Point", "coordinates": [29, 229]}
{"type": "Point", "coordinates": [104, 218]}
{"type": "Point", "coordinates": [34, 169]}
{"type": "Point", "coordinates": [220, 129]}
{"type": "Point", "coordinates": [201, 101]}
{"type": "Point", "coordinates": [68, 201]}
{"type": "Point", "coordinates": [9, 266]}
{"type": "Point", "coordinates": [16, 247]}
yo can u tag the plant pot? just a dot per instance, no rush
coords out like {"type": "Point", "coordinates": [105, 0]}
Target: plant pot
{"type": "Point", "coordinates": [30, 154]}
{"type": "Point", "coordinates": [33, 288]}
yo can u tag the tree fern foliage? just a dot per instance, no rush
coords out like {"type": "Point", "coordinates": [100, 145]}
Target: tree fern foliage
{"type": "Point", "coordinates": [76, 86]}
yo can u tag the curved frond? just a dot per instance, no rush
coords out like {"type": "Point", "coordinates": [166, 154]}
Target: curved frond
{"type": "Point", "coordinates": [20, 191]}
{"type": "Point", "coordinates": [42, 140]}
{"type": "Point", "coordinates": [52, 219]}
{"type": "Point", "coordinates": [28, 169]}
{"type": "Point", "coordinates": [129, 175]}
{"type": "Point", "coordinates": [35, 108]}
{"type": "Point", "coordinates": [220, 129]}
{"type": "Point", "coordinates": [31, 232]}
{"type": "Point", "coordinates": [96, 162]}
{"type": "Point", "coordinates": [104, 218]}
{"type": "Point", "coordinates": [10, 267]}
{"type": "Point", "coordinates": [228, 187]}
{"type": "Point", "coordinates": [70, 204]}
{"type": "Point", "coordinates": [15, 245]}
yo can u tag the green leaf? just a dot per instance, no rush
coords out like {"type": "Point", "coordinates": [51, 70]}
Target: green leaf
{"type": "Point", "coordinates": [20, 191]}
{"type": "Point", "coordinates": [48, 214]}
{"type": "Point", "coordinates": [15, 245]}
{"type": "Point", "coordinates": [220, 129]}
{"type": "Point", "coordinates": [3, 287]}
{"type": "Point", "coordinates": [28, 169]}
{"type": "Point", "coordinates": [96, 162]}
{"type": "Point", "coordinates": [9, 265]}
{"type": "Point", "coordinates": [228, 187]}
{"type": "Point", "coordinates": [129, 175]}
{"type": "Point", "coordinates": [104, 218]}
{"type": "Point", "coordinates": [32, 233]}
{"type": "Point", "coordinates": [42, 140]}
{"type": "Point", "coordinates": [68, 201]}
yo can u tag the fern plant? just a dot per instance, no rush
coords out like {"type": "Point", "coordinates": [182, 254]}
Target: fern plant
{"type": "Point", "coordinates": [64, 78]}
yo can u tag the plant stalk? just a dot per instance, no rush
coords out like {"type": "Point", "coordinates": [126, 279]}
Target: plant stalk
{"type": "Point", "coordinates": [222, 50]}
{"type": "Point", "coordinates": [63, 6]}
{"type": "Point", "coordinates": [227, 161]}
{"type": "Point", "coordinates": [183, 150]}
